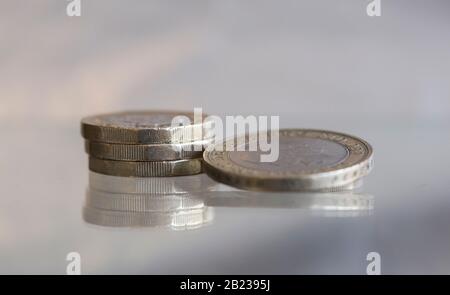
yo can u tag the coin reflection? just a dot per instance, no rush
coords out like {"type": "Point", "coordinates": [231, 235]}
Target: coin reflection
{"type": "Point", "coordinates": [172, 202]}
{"type": "Point", "coordinates": [177, 220]}
{"type": "Point", "coordinates": [182, 203]}
{"type": "Point", "coordinates": [333, 204]}
{"type": "Point", "coordinates": [151, 185]}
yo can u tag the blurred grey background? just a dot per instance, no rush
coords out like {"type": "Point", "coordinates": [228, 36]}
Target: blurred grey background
{"type": "Point", "coordinates": [299, 57]}
{"type": "Point", "coordinates": [316, 63]}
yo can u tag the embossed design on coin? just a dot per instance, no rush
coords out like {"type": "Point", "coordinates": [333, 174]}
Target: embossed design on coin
{"type": "Point", "coordinates": [297, 154]}
{"type": "Point", "coordinates": [309, 160]}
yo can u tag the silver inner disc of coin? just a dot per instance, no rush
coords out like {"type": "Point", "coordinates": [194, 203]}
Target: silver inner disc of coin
{"type": "Point", "coordinates": [297, 155]}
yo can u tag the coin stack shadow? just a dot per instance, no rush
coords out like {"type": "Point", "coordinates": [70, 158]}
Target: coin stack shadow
{"type": "Point", "coordinates": [170, 202]}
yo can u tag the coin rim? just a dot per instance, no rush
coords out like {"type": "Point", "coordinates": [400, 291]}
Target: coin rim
{"type": "Point", "coordinates": [114, 133]}
{"type": "Point", "coordinates": [145, 152]}
{"type": "Point", "coordinates": [146, 169]}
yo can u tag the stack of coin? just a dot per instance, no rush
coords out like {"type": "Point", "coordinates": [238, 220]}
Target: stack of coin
{"type": "Point", "coordinates": [145, 143]}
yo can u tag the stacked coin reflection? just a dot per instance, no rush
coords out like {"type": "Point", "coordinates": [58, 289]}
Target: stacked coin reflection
{"type": "Point", "coordinates": [145, 143]}
{"type": "Point", "coordinates": [173, 202]}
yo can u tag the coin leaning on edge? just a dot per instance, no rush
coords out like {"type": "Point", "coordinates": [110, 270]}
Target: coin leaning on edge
{"type": "Point", "coordinates": [309, 160]}
{"type": "Point", "coordinates": [143, 127]}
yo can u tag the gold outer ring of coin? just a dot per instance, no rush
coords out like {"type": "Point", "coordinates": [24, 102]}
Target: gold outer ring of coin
{"type": "Point", "coordinates": [146, 169]}
{"type": "Point", "coordinates": [219, 166]}
{"type": "Point", "coordinates": [145, 152]}
{"type": "Point", "coordinates": [110, 128]}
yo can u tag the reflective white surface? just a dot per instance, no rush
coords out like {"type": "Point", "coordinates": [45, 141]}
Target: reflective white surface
{"type": "Point", "coordinates": [317, 64]}
{"type": "Point", "coordinates": [44, 179]}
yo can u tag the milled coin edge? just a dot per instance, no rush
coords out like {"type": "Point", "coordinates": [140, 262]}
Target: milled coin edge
{"type": "Point", "coordinates": [110, 133]}
{"type": "Point", "coordinates": [146, 152]}
{"type": "Point", "coordinates": [146, 169]}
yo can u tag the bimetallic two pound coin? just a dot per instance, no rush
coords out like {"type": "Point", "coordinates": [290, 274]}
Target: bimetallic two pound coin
{"type": "Point", "coordinates": [146, 169]}
{"type": "Point", "coordinates": [309, 160]}
{"type": "Point", "coordinates": [144, 127]}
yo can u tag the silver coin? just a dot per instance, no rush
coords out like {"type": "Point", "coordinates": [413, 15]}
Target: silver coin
{"type": "Point", "coordinates": [309, 160]}
{"type": "Point", "coordinates": [141, 202]}
{"type": "Point", "coordinates": [146, 169]}
{"type": "Point", "coordinates": [177, 220]}
{"type": "Point", "coordinates": [148, 152]}
{"type": "Point", "coordinates": [143, 127]}
{"type": "Point", "coordinates": [190, 184]}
